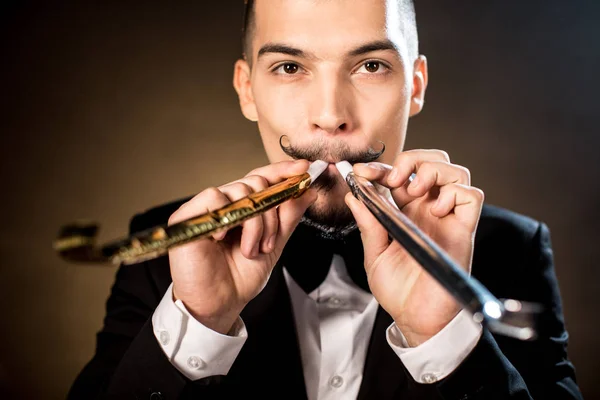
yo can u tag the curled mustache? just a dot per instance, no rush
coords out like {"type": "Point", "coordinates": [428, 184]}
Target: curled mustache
{"type": "Point", "coordinates": [340, 151]}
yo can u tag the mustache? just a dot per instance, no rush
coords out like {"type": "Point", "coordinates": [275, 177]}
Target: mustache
{"type": "Point", "coordinates": [338, 151]}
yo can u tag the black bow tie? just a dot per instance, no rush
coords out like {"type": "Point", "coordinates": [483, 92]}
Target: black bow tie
{"type": "Point", "coordinates": [307, 257]}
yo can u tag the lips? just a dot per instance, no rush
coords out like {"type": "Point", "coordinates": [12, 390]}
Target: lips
{"type": "Point", "coordinates": [335, 160]}
{"type": "Point", "coordinates": [333, 171]}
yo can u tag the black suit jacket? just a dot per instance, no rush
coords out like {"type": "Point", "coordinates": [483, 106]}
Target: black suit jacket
{"type": "Point", "coordinates": [513, 259]}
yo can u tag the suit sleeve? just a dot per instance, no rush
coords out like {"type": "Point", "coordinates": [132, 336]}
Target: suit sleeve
{"type": "Point", "coordinates": [128, 362]}
{"type": "Point", "coordinates": [505, 368]}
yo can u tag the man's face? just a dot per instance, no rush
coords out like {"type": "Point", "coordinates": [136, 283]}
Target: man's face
{"type": "Point", "coordinates": [335, 77]}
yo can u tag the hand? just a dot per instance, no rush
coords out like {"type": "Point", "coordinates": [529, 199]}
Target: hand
{"type": "Point", "coordinates": [215, 279]}
{"type": "Point", "coordinates": [441, 202]}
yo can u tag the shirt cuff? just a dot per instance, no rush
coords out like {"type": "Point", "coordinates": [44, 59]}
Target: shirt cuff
{"type": "Point", "coordinates": [195, 350]}
{"type": "Point", "coordinates": [436, 358]}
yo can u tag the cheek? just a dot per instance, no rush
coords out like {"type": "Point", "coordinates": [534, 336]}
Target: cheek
{"type": "Point", "coordinates": [383, 98]}
{"type": "Point", "coordinates": [384, 112]}
{"type": "Point", "coordinates": [279, 113]}
{"type": "Point", "coordinates": [279, 107]}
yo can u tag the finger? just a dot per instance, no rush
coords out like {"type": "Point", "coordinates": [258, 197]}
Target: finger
{"type": "Point", "coordinates": [437, 173]}
{"type": "Point", "coordinates": [374, 236]}
{"type": "Point", "coordinates": [205, 201]}
{"type": "Point", "coordinates": [277, 172]}
{"type": "Point", "coordinates": [430, 174]}
{"type": "Point", "coordinates": [400, 175]}
{"type": "Point", "coordinates": [373, 171]}
{"type": "Point", "coordinates": [271, 226]}
{"type": "Point", "coordinates": [465, 201]}
{"type": "Point", "coordinates": [379, 173]}
{"type": "Point", "coordinates": [252, 229]}
{"type": "Point", "coordinates": [289, 214]}
{"type": "Point", "coordinates": [408, 162]}
{"type": "Point", "coordinates": [269, 218]}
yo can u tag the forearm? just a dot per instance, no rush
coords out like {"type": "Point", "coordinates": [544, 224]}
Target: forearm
{"type": "Point", "coordinates": [440, 355]}
{"type": "Point", "coordinates": [195, 349]}
{"type": "Point", "coordinates": [144, 369]}
{"type": "Point", "coordinates": [462, 361]}
{"type": "Point", "coordinates": [485, 374]}
{"type": "Point", "coordinates": [122, 368]}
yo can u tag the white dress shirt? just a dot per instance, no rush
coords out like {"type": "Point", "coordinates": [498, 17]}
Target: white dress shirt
{"type": "Point", "coordinates": [334, 324]}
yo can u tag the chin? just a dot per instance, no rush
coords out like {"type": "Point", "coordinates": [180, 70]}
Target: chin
{"type": "Point", "coordinates": [330, 208]}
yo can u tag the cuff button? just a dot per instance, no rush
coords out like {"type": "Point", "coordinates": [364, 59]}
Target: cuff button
{"type": "Point", "coordinates": [164, 337]}
{"type": "Point", "coordinates": [336, 381]}
{"type": "Point", "coordinates": [429, 378]}
{"type": "Point", "coordinates": [195, 363]}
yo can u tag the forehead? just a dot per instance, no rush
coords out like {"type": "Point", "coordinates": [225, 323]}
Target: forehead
{"type": "Point", "coordinates": [325, 27]}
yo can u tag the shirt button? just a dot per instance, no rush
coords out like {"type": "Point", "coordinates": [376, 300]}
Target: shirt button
{"type": "Point", "coordinates": [164, 337]}
{"type": "Point", "coordinates": [429, 378]}
{"type": "Point", "coordinates": [194, 362]}
{"type": "Point", "coordinates": [335, 302]}
{"type": "Point", "coordinates": [336, 381]}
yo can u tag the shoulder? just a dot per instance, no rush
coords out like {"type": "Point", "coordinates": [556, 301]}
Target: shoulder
{"type": "Point", "coordinates": [157, 215]}
{"type": "Point", "coordinates": [510, 245]}
{"type": "Point", "coordinates": [499, 223]}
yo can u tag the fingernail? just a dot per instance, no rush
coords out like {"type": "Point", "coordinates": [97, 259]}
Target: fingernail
{"type": "Point", "coordinates": [352, 201]}
{"type": "Point", "coordinates": [375, 166]}
{"type": "Point", "coordinates": [415, 182]}
{"type": "Point", "coordinates": [271, 243]}
{"type": "Point", "coordinates": [255, 251]}
{"type": "Point", "coordinates": [394, 174]}
{"type": "Point", "coordinates": [219, 236]}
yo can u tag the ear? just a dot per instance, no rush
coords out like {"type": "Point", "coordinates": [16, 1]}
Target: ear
{"type": "Point", "coordinates": [420, 78]}
{"type": "Point", "coordinates": [243, 87]}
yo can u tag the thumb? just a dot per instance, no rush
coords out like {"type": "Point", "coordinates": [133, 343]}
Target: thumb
{"type": "Point", "coordinates": [374, 236]}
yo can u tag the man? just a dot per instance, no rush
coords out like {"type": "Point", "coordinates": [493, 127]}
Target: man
{"type": "Point", "coordinates": [311, 300]}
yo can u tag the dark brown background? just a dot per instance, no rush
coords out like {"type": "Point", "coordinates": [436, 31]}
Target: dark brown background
{"type": "Point", "coordinates": [108, 109]}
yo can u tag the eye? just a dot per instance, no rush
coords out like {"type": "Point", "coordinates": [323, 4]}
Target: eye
{"type": "Point", "coordinates": [287, 69]}
{"type": "Point", "coordinates": [372, 67]}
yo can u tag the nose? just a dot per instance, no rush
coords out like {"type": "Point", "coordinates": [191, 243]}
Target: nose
{"type": "Point", "coordinates": [331, 102]}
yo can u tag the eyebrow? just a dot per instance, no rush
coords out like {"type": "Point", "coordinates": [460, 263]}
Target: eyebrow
{"type": "Point", "coordinates": [282, 49]}
{"type": "Point", "coordinates": [373, 46]}
{"type": "Point", "coordinates": [376, 45]}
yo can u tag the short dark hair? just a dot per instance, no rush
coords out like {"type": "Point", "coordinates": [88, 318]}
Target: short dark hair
{"type": "Point", "coordinates": [405, 7]}
{"type": "Point", "coordinates": [248, 28]}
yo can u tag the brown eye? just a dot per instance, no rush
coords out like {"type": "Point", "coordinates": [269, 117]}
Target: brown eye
{"type": "Point", "coordinates": [290, 68]}
{"type": "Point", "coordinates": [372, 66]}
